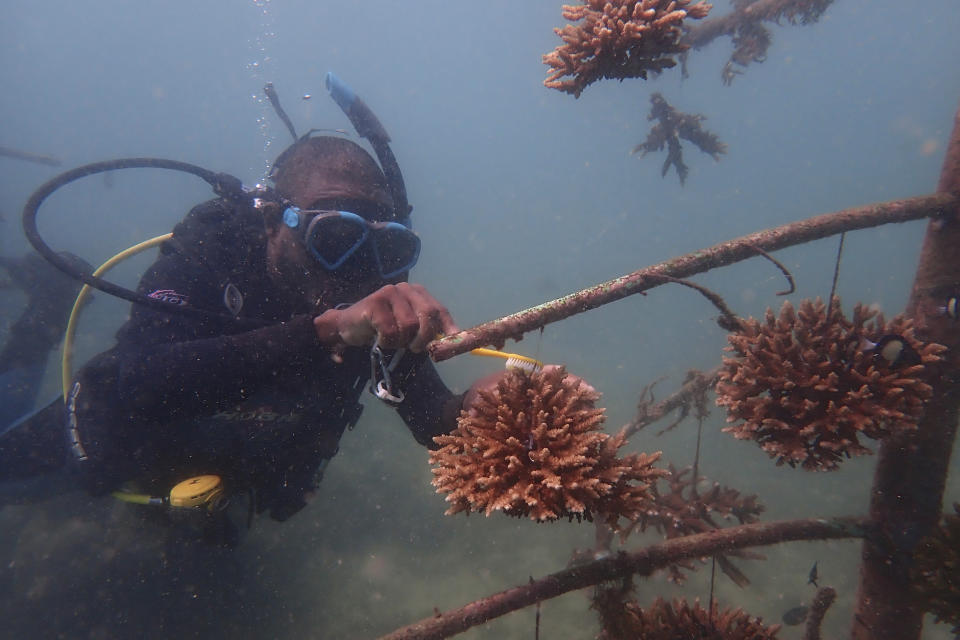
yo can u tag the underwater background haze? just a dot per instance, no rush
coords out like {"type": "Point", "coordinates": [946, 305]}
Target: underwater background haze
{"type": "Point", "coordinates": [521, 194]}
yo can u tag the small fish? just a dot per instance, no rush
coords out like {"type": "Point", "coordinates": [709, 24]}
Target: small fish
{"type": "Point", "coordinates": [796, 615]}
{"type": "Point", "coordinates": [307, 96]}
{"type": "Point", "coordinates": [951, 309]}
{"type": "Point", "coordinates": [896, 352]}
{"type": "Point", "coordinates": [814, 576]}
{"type": "Point", "coordinates": [892, 350]}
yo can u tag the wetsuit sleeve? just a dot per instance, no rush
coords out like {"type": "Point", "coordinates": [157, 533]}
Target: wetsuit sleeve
{"type": "Point", "coordinates": [201, 376]}
{"type": "Point", "coordinates": [173, 365]}
{"type": "Point", "coordinates": [429, 408]}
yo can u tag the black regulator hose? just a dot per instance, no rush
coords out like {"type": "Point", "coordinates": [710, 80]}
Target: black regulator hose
{"type": "Point", "coordinates": [223, 184]}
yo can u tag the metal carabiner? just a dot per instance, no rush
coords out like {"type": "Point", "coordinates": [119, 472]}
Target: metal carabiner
{"type": "Point", "coordinates": [380, 369]}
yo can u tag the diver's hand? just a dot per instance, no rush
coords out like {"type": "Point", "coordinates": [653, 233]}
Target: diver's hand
{"type": "Point", "coordinates": [398, 316]}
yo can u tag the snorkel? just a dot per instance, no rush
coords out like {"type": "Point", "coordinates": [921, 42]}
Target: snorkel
{"type": "Point", "coordinates": [369, 127]}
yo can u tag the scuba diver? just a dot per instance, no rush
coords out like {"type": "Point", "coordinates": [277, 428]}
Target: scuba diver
{"type": "Point", "coordinates": [266, 315]}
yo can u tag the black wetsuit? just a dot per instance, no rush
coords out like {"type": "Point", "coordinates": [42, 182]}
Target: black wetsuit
{"type": "Point", "coordinates": [263, 407]}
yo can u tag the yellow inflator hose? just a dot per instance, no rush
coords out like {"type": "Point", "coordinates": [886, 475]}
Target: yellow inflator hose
{"type": "Point", "coordinates": [66, 368]}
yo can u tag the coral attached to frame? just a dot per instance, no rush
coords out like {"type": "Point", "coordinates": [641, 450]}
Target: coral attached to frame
{"type": "Point", "coordinates": [618, 39]}
{"type": "Point", "coordinates": [805, 386]}
{"type": "Point", "coordinates": [682, 510]}
{"type": "Point", "coordinates": [751, 39]}
{"type": "Point", "coordinates": [671, 126]}
{"type": "Point", "coordinates": [622, 618]}
{"type": "Point", "coordinates": [534, 447]}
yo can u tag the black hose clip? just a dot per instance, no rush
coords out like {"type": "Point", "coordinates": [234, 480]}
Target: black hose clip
{"type": "Point", "coordinates": [229, 187]}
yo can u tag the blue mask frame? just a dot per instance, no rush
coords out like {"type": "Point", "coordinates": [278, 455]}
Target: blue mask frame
{"type": "Point", "coordinates": [313, 221]}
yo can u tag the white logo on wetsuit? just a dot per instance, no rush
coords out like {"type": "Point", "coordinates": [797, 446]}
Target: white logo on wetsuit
{"type": "Point", "coordinates": [168, 295]}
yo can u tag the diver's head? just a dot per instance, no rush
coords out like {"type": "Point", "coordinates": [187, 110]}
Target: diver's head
{"type": "Point", "coordinates": [340, 242]}
{"type": "Point", "coordinates": [327, 172]}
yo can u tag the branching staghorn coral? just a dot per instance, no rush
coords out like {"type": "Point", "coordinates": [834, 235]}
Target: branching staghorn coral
{"type": "Point", "coordinates": [682, 510]}
{"type": "Point", "coordinates": [670, 127]}
{"type": "Point", "coordinates": [534, 447]}
{"type": "Point", "coordinates": [618, 39]}
{"type": "Point", "coordinates": [751, 38]}
{"type": "Point", "coordinates": [806, 386]}
{"type": "Point", "coordinates": [622, 618]}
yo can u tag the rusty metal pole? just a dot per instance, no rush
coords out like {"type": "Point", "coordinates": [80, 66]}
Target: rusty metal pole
{"type": "Point", "coordinates": [905, 502]}
{"type": "Point", "coordinates": [620, 565]}
{"type": "Point", "coordinates": [496, 332]}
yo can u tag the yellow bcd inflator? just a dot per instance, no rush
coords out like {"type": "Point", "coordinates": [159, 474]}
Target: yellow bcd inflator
{"type": "Point", "coordinates": [201, 491]}
{"type": "Point", "coordinates": [197, 492]}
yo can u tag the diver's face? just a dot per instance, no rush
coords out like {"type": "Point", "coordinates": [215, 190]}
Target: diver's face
{"type": "Point", "coordinates": [305, 283]}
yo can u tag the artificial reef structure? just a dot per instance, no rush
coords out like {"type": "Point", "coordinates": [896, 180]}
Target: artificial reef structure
{"type": "Point", "coordinates": [809, 385]}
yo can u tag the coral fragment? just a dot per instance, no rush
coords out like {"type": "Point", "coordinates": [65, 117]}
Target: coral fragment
{"type": "Point", "coordinates": [806, 386]}
{"type": "Point", "coordinates": [534, 447]}
{"type": "Point", "coordinates": [618, 39]}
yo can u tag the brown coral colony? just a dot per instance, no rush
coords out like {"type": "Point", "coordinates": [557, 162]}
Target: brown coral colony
{"type": "Point", "coordinates": [805, 386]}
{"type": "Point", "coordinates": [618, 39]}
{"type": "Point", "coordinates": [663, 620]}
{"type": "Point", "coordinates": [671, 126]}
{"type": "Point", "coordinates": [533, 447]}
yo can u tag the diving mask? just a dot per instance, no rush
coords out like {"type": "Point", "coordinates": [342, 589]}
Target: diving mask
{"type": "Point", "coordinates": [332, 237]}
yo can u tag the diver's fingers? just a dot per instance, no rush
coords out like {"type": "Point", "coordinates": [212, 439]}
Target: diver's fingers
{"type": "Point", "coordinates": [432, 317]}
{"type": "Point", "coordinates": [437, 312]}
{"type": "Point", "coordinates": [377, 314]}
{"type": "Point", "coordinates": [404, 322]}
{"type": "Point", "coordinates": [357, 325]}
